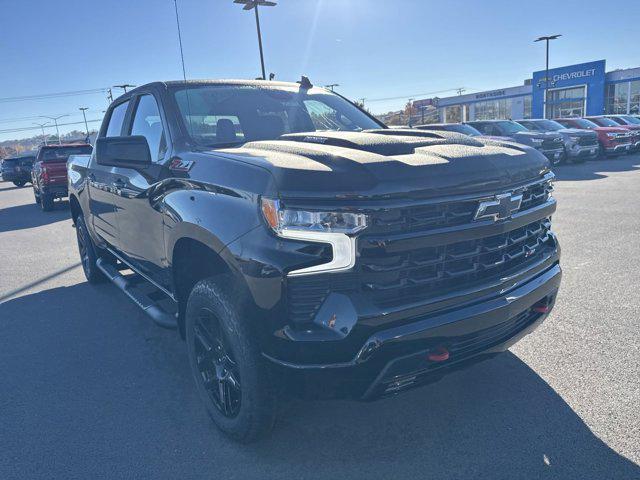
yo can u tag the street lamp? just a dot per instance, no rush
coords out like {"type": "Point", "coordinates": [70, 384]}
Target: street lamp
{"type": "Point", "coordinates": [546, 70]}
{"type": "Point", "coordinates": [253, 5]}
{"type": "Point", "coordinates": [55, 120]}
{"type": "Point", "coordinates": [84, 115]}
{"type": "Point", "coordinates": [42, 125]}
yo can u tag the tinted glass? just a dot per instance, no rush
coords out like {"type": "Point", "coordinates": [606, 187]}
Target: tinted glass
{"type": "Point", "coordinates": [59, 154]}
{"type": "Point", "coordinates": [605, 122]}
{"type": "Point", "coordinates": [223, 115]}
{"type": "Point", "coordinates": [147, 122]}
{"type": "Point", "coordinates": [583, 123]}
{"type": "Point", "coordinates": [466, 129]}
{"type": "Point", "coordinates": [117, 119]}
{"type": "Point", "coordinates": [631, 120]}
{"type": "Point", "coordinates": [510, 127]}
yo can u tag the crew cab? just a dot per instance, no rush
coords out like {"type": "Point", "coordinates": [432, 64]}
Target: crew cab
{"type": "Point", "coordinates": [549, 143]}
{"type": "Point", "coordinates": [633, 129]}
{"type": "Point", "coordinates": [301, 247]}
{"type": "Point", "coordinates": [579, 145]}
{"type": "Point", "coordinates": [49, 174]}
{"type": "Point", "coordinates": [612, 140]}
{"type": "Point", "coordinates": [17, 169]}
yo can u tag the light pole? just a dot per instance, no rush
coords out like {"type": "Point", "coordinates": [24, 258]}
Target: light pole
{"type": "Point", "coordinates": [55, 120]}
{"type": "Point", "coordinates": [84, 115]}
{"type": "Point", "coordinates": [410, 105]}
{"type": "Point", "coordinates": [42, 125]}
{"type": "Point", "coordinates": [253, 5]}
{"type": "Point", "coordinates": [546, 69]}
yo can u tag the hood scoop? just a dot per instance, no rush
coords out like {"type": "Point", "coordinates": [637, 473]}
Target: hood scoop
{"type": "Point", "coordinates": [386, 142]}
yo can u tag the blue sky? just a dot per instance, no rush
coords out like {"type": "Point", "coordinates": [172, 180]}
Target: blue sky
{"type": "Point", "coordinates": [374, 49]}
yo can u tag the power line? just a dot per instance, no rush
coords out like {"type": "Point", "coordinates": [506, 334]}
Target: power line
{"type": "Point", "coordinates": [41, 96]}
{"type": "Point", "coordinates": [369, 100]}
{"type": "Point", "coordinates": [24, 129]}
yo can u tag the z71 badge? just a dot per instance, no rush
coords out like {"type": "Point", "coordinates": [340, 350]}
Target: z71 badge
{"type": "Point", "coordinates": [179, 165]}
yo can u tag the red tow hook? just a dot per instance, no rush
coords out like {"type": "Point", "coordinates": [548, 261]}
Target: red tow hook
{"type": "Point", "coordinates": [438, 354]}
{"type": "Point", "coordinates": [542, 307]}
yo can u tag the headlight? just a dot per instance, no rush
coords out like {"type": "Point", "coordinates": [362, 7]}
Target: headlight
{"type": "Point", "coordinates": [334, 228]}
{"type": "Point", "coordinates": [612, 135]}
{"type": "Point", "coordinates": [574, 139]}
{"type": "Point", "coordinates": [536, 141]}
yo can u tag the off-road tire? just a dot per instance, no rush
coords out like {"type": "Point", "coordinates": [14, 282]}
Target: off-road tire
{"type": "Point", "coordinates": [88, 253]}
{"type": "Point", "coordinates": [256, 409]}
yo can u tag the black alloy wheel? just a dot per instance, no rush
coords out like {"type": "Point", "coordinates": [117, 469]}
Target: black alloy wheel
{"type": "Point", "coordinates": [219, 374]}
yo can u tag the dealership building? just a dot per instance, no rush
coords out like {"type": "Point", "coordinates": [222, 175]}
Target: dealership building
{"type": "Point", "coordinates": [575, 90]}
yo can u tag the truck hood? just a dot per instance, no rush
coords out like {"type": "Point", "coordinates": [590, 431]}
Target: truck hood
{"type": "Point", "coordinates": [389, 163]}
{"type": "Point", "coordinates": [524, 136]}
{"type": "Point", "coordinates": [576, 132]}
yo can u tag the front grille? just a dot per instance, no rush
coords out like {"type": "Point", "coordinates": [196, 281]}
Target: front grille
{"type": "Point", "coordinates": [551, 143]}
{"type": "Point", "coordinates": [423, 273]}
{"type": "Point", "coordinates": [393, 279]}
{"type": "Point", "coordinates": [588, 140]}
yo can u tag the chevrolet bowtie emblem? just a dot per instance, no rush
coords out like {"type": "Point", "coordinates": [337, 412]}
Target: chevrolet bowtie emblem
{"type": "Point", "coordinates": [499, 208]}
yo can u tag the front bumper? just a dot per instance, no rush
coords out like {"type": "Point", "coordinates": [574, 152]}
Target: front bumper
{"type": "Point", "coordinates": [620, 148]}
{"type": "Point", "coordinates": [395, 359]}
{"type": "Point", "coordinates": [556, 155]}
{"type": "Point", "coordinates": [583, 151]}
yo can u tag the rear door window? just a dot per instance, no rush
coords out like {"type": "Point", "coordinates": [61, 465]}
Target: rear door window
{"type": "Point", "coordinates": [114, 129]}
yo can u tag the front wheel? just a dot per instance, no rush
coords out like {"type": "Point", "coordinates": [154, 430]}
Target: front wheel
{"type": "Point", "coordinates": [230, 374]}
{"type": "Point", "coordinates": [46, 202]}
{"type": "Point", "coordinates": [19, 183]}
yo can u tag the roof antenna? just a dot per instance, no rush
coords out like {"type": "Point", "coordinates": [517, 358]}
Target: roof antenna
{"type": "Point", "coordinates": [184, 72]}
{"type": "Point", "coordinates": [305, 82]}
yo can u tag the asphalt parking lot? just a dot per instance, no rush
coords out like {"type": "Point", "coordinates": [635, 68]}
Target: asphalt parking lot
{"type": "Point", "coordinates": [90, 388]}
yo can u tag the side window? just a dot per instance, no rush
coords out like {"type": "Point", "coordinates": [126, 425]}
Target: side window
{"type": "Point", "coordinates": [484, 128]}
{"type": "Point", "coordinates": [147, 122]}
{"type": "Point", "coordinates": [114, 128]}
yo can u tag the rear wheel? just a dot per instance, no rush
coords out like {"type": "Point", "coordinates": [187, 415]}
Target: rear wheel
{"type": "Point", "coordinates": [46, 202]}
{"type": "Point", "coordinates": [19, 183]}
{"type": "Point", "coordinates": [88, 253]}
{"type": "Point", "coordinates": [230, 374]}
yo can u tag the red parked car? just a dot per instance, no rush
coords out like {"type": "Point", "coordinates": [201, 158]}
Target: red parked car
{"type": "Point", "coordinates": [49, 174]}
{"type": "Point", "coordinates": [612, 140]}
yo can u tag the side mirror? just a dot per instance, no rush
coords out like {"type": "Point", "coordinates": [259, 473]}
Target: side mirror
{"type": "Point", "coordinates": [131, 152]}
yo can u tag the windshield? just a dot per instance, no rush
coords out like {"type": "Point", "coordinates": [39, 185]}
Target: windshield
{"type": "Point", "coordinates": [547, 125]}
{"type": "Point", "coordinates": [630, 120]}
{"type": "Point", "coordinates": [466, 129]}
{"type": "Point", "coordinates": [217, 115]}
{"type": "Point", "coordinates": [584, 123]}
{"type": "Point", "coordinates": [605, 122]}
{"type": "Point", "coordinates": [510, 128]}
{"type": "Point", "coordinates": [59, 154]}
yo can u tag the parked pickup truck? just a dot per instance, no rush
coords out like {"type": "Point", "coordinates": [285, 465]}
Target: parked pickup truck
{"type": "Point", "coordinates": [633, 129]}
{"type": "Point", "coordinates": [49, 174]}
{"type": "Point", "coordinates": [301, 247]}
{"type": "Point", "coordinates": [613, 140]}
{"type": "Point", "coordinates": [549, 143]}
{"type": "Point", "coordinates": [579, 145]}
{"type": "Point", "coordinates": [17, 170]}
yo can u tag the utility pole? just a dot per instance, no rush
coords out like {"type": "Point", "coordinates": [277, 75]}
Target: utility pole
{"type": "Point", "coordinates": [84, 115]}
{"type": "Point", "coordinates": [410, 104]}
{"type": "Point", "coordinates": [253, 5]}
{"type": "Point", "coordinates": [124, 86]}
{"type": "Point", "coordinates": [461, 90]}
{"type": "Point", "coordinates": [331, 86]}
{"type": "Point", "coordinates": [42, 125]}
{"type": "Point", "coordinates": [55, 120]}
{"type": "Point", "coordinates": [546, 70]}
{"type": "Point", "coordinates": [110, 95]}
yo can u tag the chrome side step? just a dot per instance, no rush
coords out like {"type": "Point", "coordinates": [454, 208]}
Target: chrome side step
{"type": "Point", "coordinates": [157, 314]}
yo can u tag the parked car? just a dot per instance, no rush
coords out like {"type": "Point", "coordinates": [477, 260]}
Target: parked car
{"type": "Point", "coordinates": [579, 145]}
{"type": "Point", "coordinates": [49, 174]}
{"type": "Point", "coordinates": [301, 247]}
{"type": "Point", "coordinates": [549, 143]}
{"type": "Point", "coordinates": [460, 128]}
{"type": "Point", "coordinates": [625, 119]}
{"type": "Point", "coordinates": [17, 169]}
{"type": "Point", "coordinates": [612, 140]}
{"type": "Point", "coordinates": [605, 121]}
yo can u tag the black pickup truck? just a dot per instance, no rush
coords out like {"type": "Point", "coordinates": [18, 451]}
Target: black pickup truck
{"type": "Point", "coordinates": [301, 247]}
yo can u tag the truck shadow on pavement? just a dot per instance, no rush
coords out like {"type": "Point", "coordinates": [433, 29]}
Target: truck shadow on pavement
{"type": "Point", "coordinates": [597, 169]}
{"type": "Point", "coordinates": [84, 371]}
{"type": "Point", "coordinates": [30, 215]}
